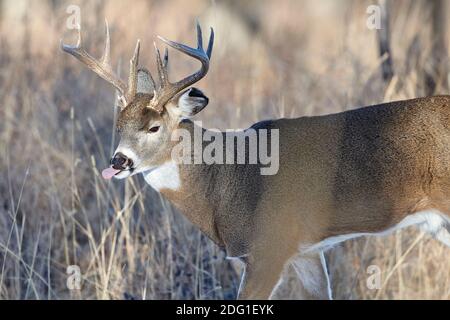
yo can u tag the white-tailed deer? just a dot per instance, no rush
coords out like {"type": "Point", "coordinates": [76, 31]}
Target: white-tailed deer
{"type": "Point", "coordinates": [365, 171]}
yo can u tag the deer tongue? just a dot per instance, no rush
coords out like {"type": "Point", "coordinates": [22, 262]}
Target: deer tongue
{"type": "Point", "coordinates": [110, 172]}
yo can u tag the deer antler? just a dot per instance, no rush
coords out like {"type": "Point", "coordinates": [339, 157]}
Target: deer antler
{"type": "Point", "coordinates": [167, 90]}
{"type": "Point", "coordinates": [103, 67]}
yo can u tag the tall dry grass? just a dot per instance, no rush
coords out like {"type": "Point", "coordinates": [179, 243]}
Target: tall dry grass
{"type": "Point", "coordinates": [271, 59]}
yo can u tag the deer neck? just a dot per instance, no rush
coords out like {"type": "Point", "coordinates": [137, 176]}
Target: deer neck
{"type": "Point", "coordinates": [188, 188]}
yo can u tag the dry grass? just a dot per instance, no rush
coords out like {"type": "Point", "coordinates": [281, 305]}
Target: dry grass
{"type": "Point", "coordinates": [272, 59]}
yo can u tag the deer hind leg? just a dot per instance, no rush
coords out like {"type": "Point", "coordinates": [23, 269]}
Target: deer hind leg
{"type": "Point", "coordinates": [443, 234]}
{"type": "Point", "coordinates": [437, 224]}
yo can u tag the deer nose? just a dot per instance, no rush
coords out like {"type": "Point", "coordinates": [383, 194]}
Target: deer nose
{"type": "Point", "coordinates": [121, 161]}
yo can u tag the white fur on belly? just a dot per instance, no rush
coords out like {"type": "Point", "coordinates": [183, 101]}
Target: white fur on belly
{"type": "Point", "coordinates": [166, 176]}
{"type": "Point", "coordinates": [431, 221]}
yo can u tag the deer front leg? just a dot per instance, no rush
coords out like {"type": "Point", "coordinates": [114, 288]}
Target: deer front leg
{"type": "Point", "coordinates": [313, 274]}
{"type": "Point", "coordinates": [260, 277]}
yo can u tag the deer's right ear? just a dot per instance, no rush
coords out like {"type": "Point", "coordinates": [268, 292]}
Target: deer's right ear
{"type": "Point", "coordinates": [144, 81]}
{"type": "Point", "coordinates": [191, 102]}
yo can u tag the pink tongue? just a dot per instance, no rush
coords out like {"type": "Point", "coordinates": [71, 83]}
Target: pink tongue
{"type": "Point", "coordinates": [108, 173]}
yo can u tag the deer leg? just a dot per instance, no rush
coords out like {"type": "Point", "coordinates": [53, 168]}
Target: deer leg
{"type": "Point", "coordinates": [443, 235]}
{"type": "Point", "coordinates": [313, 274]}
{"type": "Point", "coordinates": [261, 276]}
{"type": "Point", "coordinates": [323, 261]}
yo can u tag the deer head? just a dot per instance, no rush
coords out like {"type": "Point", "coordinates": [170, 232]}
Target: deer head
{"type": "Point", "coordinates": [149, 111]}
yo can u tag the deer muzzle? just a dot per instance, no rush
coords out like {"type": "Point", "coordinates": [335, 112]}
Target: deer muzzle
{"type": "Point", "coordinates": [119, 163]}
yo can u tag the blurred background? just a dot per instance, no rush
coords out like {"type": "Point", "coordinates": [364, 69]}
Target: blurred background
{"type": "Point", "coordinates": [271, 59]}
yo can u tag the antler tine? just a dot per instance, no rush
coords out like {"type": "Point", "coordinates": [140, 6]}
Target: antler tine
{"type": "Point", "coordinates": [210, 43]}
{"type": "Point", "coordinates": [162, 68]}
{"type": "Point", "coordinates": [132, 78]}
{"type": "Point", "coordinates": [199, 37]}
{"type": "Point", "coordinates": [106, 59]}
{"type": "Point", "coordinates": [102, 68]}
{"type": "Point", "coordinates": [79, 36]}
{"type": "Point", "coordinates": [198, 54]}
{"type": "Point", "coordinates": [166, 58]}
{"type": "Point", "coordinates": [120, 97]}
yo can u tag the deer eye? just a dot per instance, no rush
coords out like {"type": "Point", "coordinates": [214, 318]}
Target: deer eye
{"type": "Point", "coordinates": [153, 129]}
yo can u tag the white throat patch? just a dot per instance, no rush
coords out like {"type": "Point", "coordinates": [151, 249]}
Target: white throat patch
{"type": "Point", "coordinates": [166, 176]}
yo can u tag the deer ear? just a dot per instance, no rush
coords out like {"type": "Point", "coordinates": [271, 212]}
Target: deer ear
{"type": "Point", "coordinates": [144, 81]}
{"type": "Point", "coordinates": [191, 102]}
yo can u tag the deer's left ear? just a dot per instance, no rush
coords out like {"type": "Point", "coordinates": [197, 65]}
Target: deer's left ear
{"type": "Point", "coordinates": [144, 81]}
{"type": "Point", "coordinates": [191, 102]}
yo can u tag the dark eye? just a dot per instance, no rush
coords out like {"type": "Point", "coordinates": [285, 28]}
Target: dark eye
{"type": "Point", "coordinates": [153, 129]}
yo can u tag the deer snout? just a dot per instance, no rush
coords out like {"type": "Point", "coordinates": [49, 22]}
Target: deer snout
{"type": "Point", "coordinates": [121, 161]}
